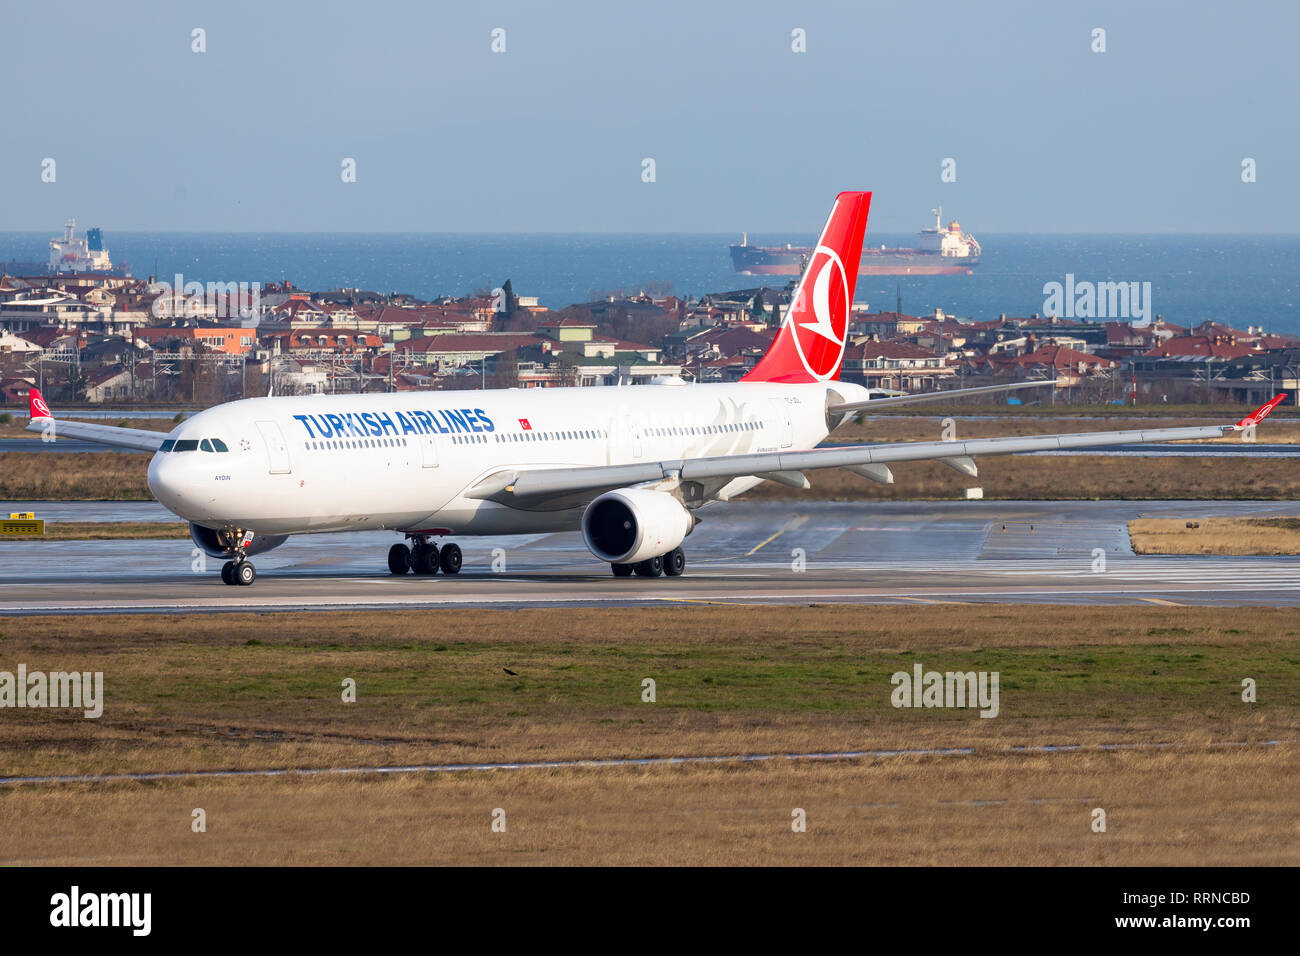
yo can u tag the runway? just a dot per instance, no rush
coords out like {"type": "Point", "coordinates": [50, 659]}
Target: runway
{"type": "Point", "coordinates": [742, 553]}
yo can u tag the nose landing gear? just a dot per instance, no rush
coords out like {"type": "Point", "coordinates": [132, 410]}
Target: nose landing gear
{"type": "Point", "coordinates": [240, 571]}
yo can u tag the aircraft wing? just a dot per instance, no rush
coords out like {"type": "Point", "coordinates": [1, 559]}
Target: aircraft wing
{"type": "Point", "coordinates": [934, 396]}
{"type": "Point", "coordinates": [524, 488]}
{"type": "Point", "coordinates": [137, 439]}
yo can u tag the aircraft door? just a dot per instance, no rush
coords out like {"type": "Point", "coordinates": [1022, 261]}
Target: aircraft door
{"type": "Point", "coordinates": [277, 449]}
{"type": "Point", "coordinates": [429, 451]}
{"type": "Point", "coordinates": [781, 422]}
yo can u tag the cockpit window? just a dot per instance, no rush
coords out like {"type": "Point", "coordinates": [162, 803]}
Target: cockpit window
{"type": "Point", "coordinates": [194, 444]}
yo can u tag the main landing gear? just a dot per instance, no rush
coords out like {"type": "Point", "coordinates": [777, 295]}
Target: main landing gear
{"type": "Point", "coordinates": [240, 571]}
{"type": "Point", "coordinates": [424, 557]}
{"type": "Point", "coordinates": [672, 564]}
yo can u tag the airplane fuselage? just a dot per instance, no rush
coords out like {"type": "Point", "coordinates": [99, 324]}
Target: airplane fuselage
{"type": "Point", "coordinates": [403, 461]}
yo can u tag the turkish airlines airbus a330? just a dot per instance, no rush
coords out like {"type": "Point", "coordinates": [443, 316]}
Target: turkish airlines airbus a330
{"type": "Point", "coordinates": [628, 466]}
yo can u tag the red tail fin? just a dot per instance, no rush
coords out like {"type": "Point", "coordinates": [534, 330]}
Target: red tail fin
{"type": "Point", "coordinates": [36, 405]}
{"type": "Point", "coordinates": [810, 345]}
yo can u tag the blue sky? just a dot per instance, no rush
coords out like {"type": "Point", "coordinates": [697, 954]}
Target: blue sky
{"type": "Point", "coordinates": [745, 134]}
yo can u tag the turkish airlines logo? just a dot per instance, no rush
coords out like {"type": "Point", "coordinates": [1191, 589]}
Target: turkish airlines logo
{"type": "Point", "coordinates": [820, 342]}
{"type": "Point", "coordinates": [525, 424]}
{"type": "Point", "coordinates": [40, 408]}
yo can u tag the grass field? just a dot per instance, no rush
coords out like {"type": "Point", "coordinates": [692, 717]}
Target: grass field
{"type": "Point", "coordinates": [17, 426]}
{"type": "Point", "coordinates": [74, 476]}
{"type": "Point", "coordinates": [107, 531]}
{"type": "Point", "coordinates": [263, 691]}
{"type": "Point", "coordinates": [1215, 536]}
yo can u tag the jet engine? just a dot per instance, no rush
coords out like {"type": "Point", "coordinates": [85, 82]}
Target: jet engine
{"type": "Point", "coordinates": [221, 544]}
{"type": "Point", "coordinates": [633, 524]}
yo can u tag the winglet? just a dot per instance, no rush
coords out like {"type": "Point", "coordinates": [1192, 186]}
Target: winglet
{"type": "Point", "coordinates": [36, 405]}
{"type": "Point", "coordinates": [1259, 414]}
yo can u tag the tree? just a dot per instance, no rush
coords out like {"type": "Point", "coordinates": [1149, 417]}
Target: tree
{"type": "Point", "coordinates": [75, 386]}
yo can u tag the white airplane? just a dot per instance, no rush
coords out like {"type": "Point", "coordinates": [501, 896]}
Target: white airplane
{"type": "Point", "coordinates": [628, 466]}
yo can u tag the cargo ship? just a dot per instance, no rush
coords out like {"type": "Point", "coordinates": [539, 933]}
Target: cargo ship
{"type": "Point", "coordinates": [940, 251]}
{"type": "Point", "coordinates": [76, 255]}
{"type": "Point", "coordinates": [70, 254]}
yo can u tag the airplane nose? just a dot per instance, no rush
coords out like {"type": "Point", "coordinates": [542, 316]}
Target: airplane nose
{"type": "Point", "coordinates": [167, 483]}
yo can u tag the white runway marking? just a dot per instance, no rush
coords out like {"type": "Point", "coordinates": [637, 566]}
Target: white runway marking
{"type": "Point", "coordinates": [590, 764]}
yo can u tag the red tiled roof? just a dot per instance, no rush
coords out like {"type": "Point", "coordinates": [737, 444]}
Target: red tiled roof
{"type": "Point", "coordinates": [1201, 346]}
{"type": "Point", "coordinates": [1058, 356]}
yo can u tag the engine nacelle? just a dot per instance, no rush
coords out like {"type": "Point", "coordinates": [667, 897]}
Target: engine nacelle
{"type": "Point", "coordinates": [221, 544]}
{"type": "Point", "coordinates": [632, 524]}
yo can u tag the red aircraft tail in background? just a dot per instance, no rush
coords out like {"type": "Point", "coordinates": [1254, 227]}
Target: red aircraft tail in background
{"type": "Point", "coordinates": [810, 345]}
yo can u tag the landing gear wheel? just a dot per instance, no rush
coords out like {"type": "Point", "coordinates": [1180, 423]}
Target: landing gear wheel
{"type": "Point", "coordinates": [399, 559]}
{"type": "Point", "coordinates": [650, 567]}
{"type": "Point", "coordinates": [674, 562]}
{"type": "Point", "coordinates": [424, 559]}
{"type": "Point", "coordinates": [449, 559]}
{"type": "Point", "coordinates": [228, 573]}
{"type": "Point", "coordinates": [244, 573]}
{"type": "Point", "coordinates": [622, 570]}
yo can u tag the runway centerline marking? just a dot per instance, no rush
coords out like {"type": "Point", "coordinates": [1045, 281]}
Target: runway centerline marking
{"type": "Point", "coordinates": [788, 526]}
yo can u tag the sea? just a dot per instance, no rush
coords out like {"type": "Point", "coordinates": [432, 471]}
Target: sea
{"type": "Point", "coordinates": [1239, 280]}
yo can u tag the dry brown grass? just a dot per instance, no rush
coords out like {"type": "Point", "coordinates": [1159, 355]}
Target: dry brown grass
{"type": "Point", "coordinates": [253, 691]}
{"type": "Point", "coordinates": [1224, 807]}
{"type": "Point", "coordinates": [74, 476]}
{"type": "Point", "coordinates": [1215, 536]}
{"type": "Point", "coordinates": [18, 427]}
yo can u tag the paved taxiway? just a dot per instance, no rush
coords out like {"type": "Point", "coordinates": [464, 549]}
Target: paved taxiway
{"type": "Point", "coordinates": [745, 552]}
